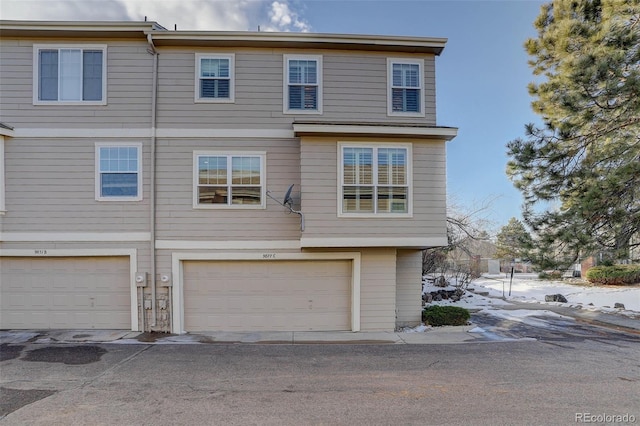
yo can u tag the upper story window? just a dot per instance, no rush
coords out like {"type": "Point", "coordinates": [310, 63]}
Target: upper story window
{"type": "Point", "coordinates": [118, 172]}
{"type": "Point", "coordinates": [375, 179]}
{"type": "Point", "coordinates": [215, 78]}
{"type": "Point", "coordinates": [229, 180]}
{"type": "Point", "coordinates": [70, 74]}
{"type": "Point", "coordinates": [406, 87]}
{"type": "Point", "coordinates": [303, 84]}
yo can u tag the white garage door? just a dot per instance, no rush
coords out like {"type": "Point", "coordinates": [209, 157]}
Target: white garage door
{"type": "Point", "coordinates": [267, 295]}
{"type": "Point", "coordinates": [65, 292]}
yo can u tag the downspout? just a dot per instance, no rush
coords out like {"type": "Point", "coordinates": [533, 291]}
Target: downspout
{"type": "Point", "coordinates": [152, 179]}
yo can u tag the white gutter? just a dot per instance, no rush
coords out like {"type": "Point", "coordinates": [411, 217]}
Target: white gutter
{"type": "Point", "coordinates": [152, 179]}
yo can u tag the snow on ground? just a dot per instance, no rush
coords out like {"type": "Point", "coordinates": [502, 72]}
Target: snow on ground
{"type": "Point", "coordinates": [490, 296]}
{"type": "Point", "coordinates": [528, 288]}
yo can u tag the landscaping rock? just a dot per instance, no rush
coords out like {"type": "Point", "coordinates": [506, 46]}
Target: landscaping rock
{"type": "Point", "coordinates": [555, 298]}
{"type": "Point", "coordinates": [441, 281]}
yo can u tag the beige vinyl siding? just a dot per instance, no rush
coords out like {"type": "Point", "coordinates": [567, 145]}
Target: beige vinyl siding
{"type": "Point", "coordinates": [178, 220]}
{"type": "Point", "coordinates": [258, 92]}
{"type": "Point", "coordinates": [354, 89]}
{"type": "Point", "coordinates": [129, 84]}
{"type": "Point", "coordinates": [408, 288]}
{"type": "Point", "coordinates": [50, 186]}
{"type": "Point", "coordinates": [377, 289]}
{"type": "Point", "coordinates": [319, 163]}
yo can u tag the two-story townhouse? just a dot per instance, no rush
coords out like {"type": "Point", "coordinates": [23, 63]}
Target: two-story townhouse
{"type": "Point", "coordinates": [145, 171]}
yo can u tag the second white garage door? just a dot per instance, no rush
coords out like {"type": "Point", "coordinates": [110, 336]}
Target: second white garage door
{"type": "Point", "coordinates": [243, 295]}
{"type": "Point", "coordinates": [65, 293]}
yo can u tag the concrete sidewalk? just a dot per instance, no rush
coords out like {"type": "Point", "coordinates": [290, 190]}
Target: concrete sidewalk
{"type": "Point", "coordinates": [431, 336]}
{"type": "Point", "coordinates": [435, 335]}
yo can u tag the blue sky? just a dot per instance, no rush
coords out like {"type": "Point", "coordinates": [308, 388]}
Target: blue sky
{"type": "Point", "coordinates": [481, 78]}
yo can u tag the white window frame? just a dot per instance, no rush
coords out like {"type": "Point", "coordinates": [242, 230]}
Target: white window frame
{"type": "Point", "coordinates": [285, 91]}
{"type": "Point", "coordinates": [390, 87]}
{"type": "Point", "coordinates": [229, 155]}
{"type": "Point", "coordinates": [375, 146]}
{"type": "Point", "coordinates": [36, 72]}
{"type": "Point", "coordinates": [98, 173]}
{"type": "Point", "coordinates": [232, 71]}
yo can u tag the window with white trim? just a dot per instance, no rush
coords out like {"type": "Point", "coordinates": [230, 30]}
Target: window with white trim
{"type": "Point", "coordinates": [406, 83]}
{"type": "Point", "coordinates": [375, 179]}
{"type": "Point", "coordinates": [118, 172]}
{"type": "Point", "coordinates": [303, 84]}
{"type": "Point", "coordinates": [229, 180]}
{"type": "Point", "coordinates": [70, 74]}
{"type": "Point", "coordinates": [215, 78]}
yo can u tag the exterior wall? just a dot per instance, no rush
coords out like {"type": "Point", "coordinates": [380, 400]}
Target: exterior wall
{"type": "Point", "coordinates": [319, 166]}
{"type": "Point", "coordinates": [129, 84]}
{"type": "Point", "coordinates": [50, 187]}
{"type": "Point", "coordinates": [50, 167]}
{"type": "Point", "coordinates": [378, 290]}
{"type": "Point", "coordinates": [408, 288]}
{"type": "Point", "coordinates": [354, 89]}
{"type": "Point", "coordinates": [178, 220]}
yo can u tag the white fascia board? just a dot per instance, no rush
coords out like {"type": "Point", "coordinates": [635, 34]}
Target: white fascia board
{"type": "Point", "coordinates": [147, 132]}
{"type": "Point", "coordinates": [446, 133]}
{"type": "Point", "coordinates": [224, 133]}
{"type": "Point", "coordinates": [433, 45]}
{"type": "Point", "coordinates": [405, 242]}
{"type": "Point", "coordinates": [7, 132]}
{"type": "Point", "coordinates": [227, 245]}
{"type": "Point", "coordinates": [25, 237]}
{"type": "Point", "coordinates": [82, 133]}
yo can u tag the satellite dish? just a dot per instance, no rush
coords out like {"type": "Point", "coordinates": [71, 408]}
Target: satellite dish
{"type": "Point", "coordinates": [287, 196]}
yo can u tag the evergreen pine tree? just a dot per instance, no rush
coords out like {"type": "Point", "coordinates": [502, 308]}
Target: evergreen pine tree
{"type": "Point", "coordinates": [580, 174]}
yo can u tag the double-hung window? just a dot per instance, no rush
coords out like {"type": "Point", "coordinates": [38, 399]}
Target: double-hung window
{"type": "Point", "coordinates": [229, 180]}
{"type": "Point", "coordinates": [214, 78]}
{"type": "Point", "coordinates": [118, 172]}
{"type": "Point", "coordinates": [303, 84]}
{"type": "Point", "coordinates": [406, 83]}
{"type": "Point", "coordinates": [70, 74]}
{"type": "Point", "coordinates": [375, 179]}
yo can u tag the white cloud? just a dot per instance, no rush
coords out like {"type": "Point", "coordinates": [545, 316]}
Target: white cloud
{"type": "Point", "coordinates": [213, 15]}
{"type": "Point", "coordinates": [282, 18]}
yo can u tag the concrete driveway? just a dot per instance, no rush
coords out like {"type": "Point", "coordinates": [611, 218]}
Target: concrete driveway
{"type": "Point", "coordinates": [524, 382]}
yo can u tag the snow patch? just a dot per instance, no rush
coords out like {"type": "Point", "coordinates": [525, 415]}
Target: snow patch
{"type": "Point", "coordinates": [528, 288]}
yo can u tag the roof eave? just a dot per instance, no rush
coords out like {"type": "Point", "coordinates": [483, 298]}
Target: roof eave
{"type": "Point", "coordinates": [375, 130]}
{"type": "Point", "coordinates": [112, 29]}
{"type": "Point", "coordinates": [6, 130]}
{"type": "Point", "coordinates": [300, 40]}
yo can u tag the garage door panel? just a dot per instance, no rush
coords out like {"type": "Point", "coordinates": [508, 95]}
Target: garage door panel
{"type": "Point", "coordinates": [65, 292]}
{"type": "Point", "coordinates": [267, 295]}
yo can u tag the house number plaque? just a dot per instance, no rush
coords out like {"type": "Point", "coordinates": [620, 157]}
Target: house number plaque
{"type": "Point", "coordinates": [268, 255]}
